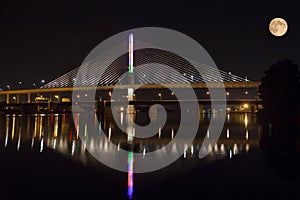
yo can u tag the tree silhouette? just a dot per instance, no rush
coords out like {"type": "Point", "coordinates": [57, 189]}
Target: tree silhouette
{"type": "Point", "coordinates": [280, 93]}
{"type": "Point", "coordinates": [280, 88]}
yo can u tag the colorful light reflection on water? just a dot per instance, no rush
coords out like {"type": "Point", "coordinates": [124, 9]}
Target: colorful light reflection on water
{"type": "Point", "coordinates": [130, 175]}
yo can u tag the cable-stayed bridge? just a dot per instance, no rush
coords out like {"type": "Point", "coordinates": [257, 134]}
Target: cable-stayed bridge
{"type": "Point", "coordinates": [155, 72]}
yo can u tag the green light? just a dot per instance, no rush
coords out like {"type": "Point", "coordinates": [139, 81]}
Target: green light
{"type": "Point", "coordinates": [130, 50]}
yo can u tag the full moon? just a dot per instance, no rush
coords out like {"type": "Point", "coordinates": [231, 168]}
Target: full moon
{"type": "Point", "coordinates": [278, 27]}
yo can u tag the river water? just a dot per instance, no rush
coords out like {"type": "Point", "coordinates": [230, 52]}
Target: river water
{"type": "Point", "coordinates": [64, 135]}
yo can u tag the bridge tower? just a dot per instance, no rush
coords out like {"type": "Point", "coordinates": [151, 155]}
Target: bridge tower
{"type": "Point", "coordinates": [130, 112]}
{"type": "Point", "coordinates": [130, 94]}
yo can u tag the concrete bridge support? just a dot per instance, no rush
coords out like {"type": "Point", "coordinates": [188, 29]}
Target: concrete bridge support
{"type": "Point", "coordinates": [17, 98]}
{"type": "Point", "coordinates": [7, 98]}
{"type": "Point", "coordinates": [28, 98]}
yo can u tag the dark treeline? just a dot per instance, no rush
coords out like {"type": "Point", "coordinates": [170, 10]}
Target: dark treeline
{"type": "Point", "coordinates": [280, 117]}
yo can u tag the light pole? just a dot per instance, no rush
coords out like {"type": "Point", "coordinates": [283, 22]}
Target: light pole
{"type": "Point", "coordinates": [42, 82]}
{"type": "Point", "coordinates": [20, 84]}
{"type": "Point", "coordinates": [33, 84]}
{"type": "Point", "coordinates": [8, 86]}
{"type": "Point", "coordinates": [227, 94]}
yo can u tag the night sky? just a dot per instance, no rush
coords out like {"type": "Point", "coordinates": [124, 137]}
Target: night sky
{"type": "Point", "coordinates": [44, 40]}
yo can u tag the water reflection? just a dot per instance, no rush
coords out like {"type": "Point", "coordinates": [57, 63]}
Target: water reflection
{"type": "Point", "coordinates": [13, 127]}
{"type": "Point", "coordinates": [130, 175]}
{"type": "Point", "coordinates": [6, 130]}
{"type": "Point", "coordinates": [19, 139]}
{"type": "Point", "coordinates": [60, 133]}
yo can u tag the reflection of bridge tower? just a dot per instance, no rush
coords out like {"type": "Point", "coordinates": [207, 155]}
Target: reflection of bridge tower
{"type": "Point", "coordinates": [130, 117]}
{"type": "Point", "coordinates": [130, 95]}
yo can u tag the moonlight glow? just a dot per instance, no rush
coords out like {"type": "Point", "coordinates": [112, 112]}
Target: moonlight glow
{"type": "Point", "coordinates": [278, 27]}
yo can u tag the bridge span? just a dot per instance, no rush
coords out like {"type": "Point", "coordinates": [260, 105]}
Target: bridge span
{"type": "Point", "coordinates": [243, 94]}
{"type": "Point", "coordinates": [17, 96]}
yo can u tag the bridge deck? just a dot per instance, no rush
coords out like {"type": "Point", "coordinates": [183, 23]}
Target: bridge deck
{"type": "Point", "coordinates": [147, 86]}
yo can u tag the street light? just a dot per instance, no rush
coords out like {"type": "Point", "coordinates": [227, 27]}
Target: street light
{"type": "Point", "coordinates": [20, 84]}
{"type": "Point", "coordinates": [42, 82]}
{"type": "Point", "coordinates": [227, 94]}
{"type": "Point", "coordinates": [33, 84]}
{"type": "Point", "coordinates": [14, 98]}
{"type": "Point", "coordinates": [172, 95]}
{"type": "Point", "coordinates": [57, 97]}
{"type": "Point", "coordinates": [160, 96]}
{"type": "Point", "coordinates": [8, 86]}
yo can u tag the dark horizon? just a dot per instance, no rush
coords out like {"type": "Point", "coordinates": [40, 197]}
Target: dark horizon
{"type": "Point", "coordinates": [45, 40]}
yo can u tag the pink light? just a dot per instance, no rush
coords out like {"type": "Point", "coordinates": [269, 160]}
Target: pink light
{"type": "Point", "coordinates": [130, 175]}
